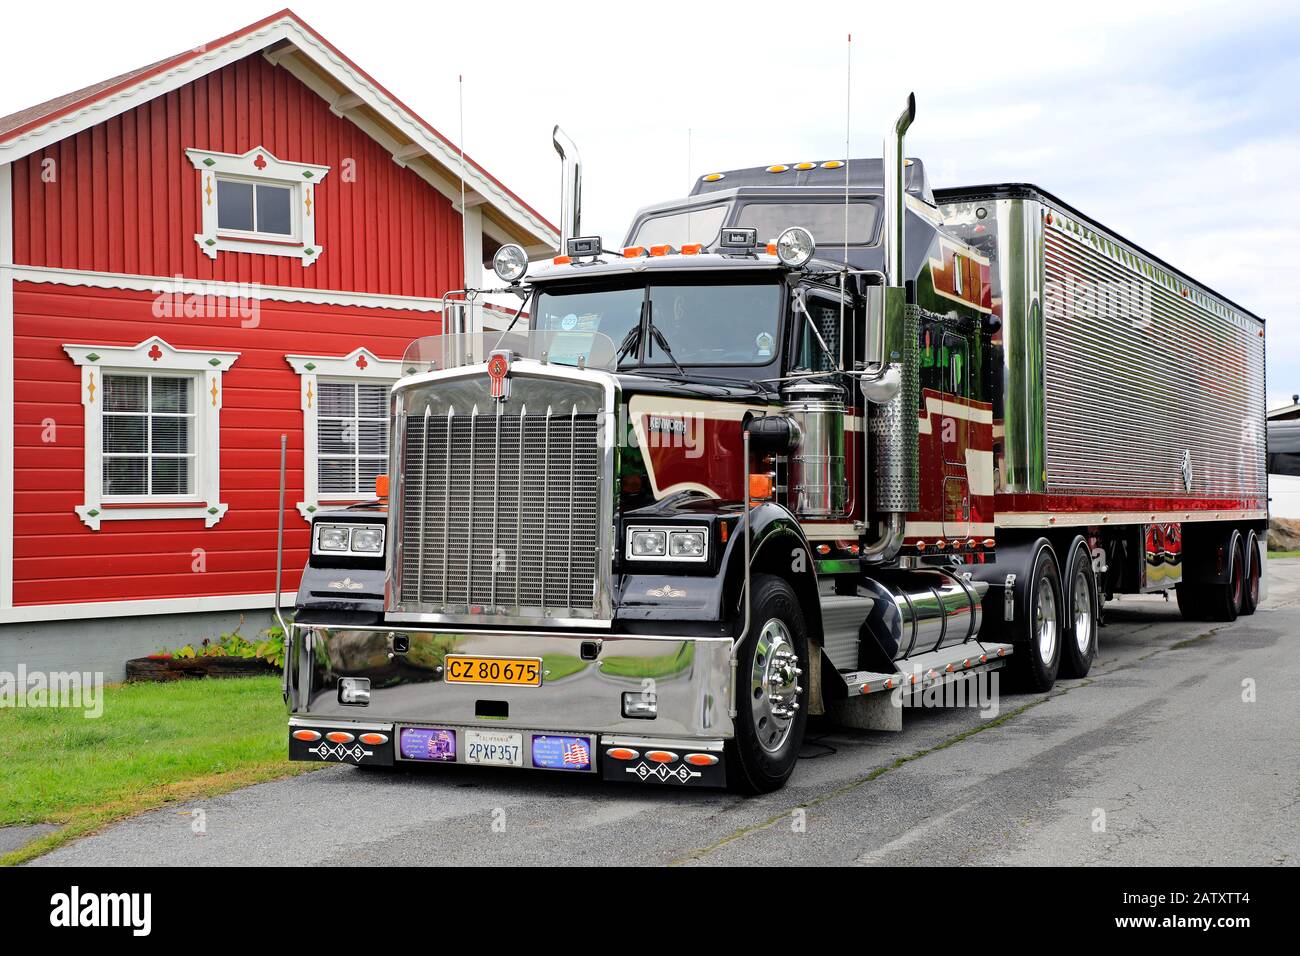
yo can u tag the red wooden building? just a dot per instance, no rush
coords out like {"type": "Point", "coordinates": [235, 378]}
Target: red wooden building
{"type": "Point", "coordinates": [196, 257]}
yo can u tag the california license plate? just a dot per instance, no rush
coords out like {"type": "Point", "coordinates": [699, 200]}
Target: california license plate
{"type": "Point", "coordinates": [494, 747]}
{"type": "Point", "coordinates": [522, 671]}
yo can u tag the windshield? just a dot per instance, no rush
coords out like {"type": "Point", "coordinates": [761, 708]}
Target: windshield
{"type": "Point", "coordinates": [681, 323]}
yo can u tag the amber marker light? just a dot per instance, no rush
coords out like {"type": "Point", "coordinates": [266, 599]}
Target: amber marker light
{"type": "Point", "coordinates": [660, 756]}
{"type": "Point", "coordinates": [307, 735]}
{"type": "Point", "coordinates": [381, 486]}
{"type": "Point", "coordinates": [622, 753]}
{"type": "Point", "coordinates": [701, 760]}
{"type": "Point", "coordinates": [692, 249]}
{"type": "Point", "coordinates": [633, 252]}
{"type": "Point", "coordinates": [338, 737]}
{"type": "Point", "coordinates": [562, 260]}
{"type": "Point", "coordinates": [661, 250]}
{"type": "Point", "coordinates": [373, 739]}
{"type": "Point", "coordinates": [760, 487]}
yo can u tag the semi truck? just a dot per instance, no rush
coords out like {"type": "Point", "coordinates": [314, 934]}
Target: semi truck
{"type": "Point", "coordinates": [816, 439]}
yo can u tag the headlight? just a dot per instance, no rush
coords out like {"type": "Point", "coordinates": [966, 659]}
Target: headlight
{"type": "Point", "coordinates": [649, 544]}
{"type": "Point", "coordinates": [667, 544]}
{"type": "Point", "coordinates": [686, 544]}
{"type": "Point", "coordinates": [795, 246]}
{"type": "Point", "coordinates": [369, 540]}
{"type": "Point", "coordinates": [364, 540]}
{"type": "Point", "coordinates": [510, 263]}
{"type": "Point", "coordinates": [332, 538]}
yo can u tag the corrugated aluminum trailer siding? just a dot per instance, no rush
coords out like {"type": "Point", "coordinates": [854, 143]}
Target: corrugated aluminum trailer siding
{"type": "Point", "coordinates": [1144, 374]}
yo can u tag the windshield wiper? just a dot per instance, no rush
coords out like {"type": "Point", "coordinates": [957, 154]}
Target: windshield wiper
{"type": "Point", "coordinates": [663, 344]}
{"type": "Point", "coordinates": [630, 342]}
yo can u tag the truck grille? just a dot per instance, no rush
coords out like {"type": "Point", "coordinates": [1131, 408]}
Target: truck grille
{"type": "Point", "coordinates": [500, 506]}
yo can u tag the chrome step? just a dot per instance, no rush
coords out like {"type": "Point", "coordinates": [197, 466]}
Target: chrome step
{"type": "Point", "coordinates": [936, 667]}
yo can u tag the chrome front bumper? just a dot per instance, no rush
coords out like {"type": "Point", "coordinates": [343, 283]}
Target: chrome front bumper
{"type": "Point", "coordinates": [689, 676]}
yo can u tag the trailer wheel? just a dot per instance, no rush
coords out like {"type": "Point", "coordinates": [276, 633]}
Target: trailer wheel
{"type": "Point", "coordinates": [1080, 645]}
{"type": "Point", "coordinates": [1037, 657]}
{"type": "Point", "coordinates": [1250, 595]}
{"type": "Point", "coordinates": [1223, 602]}
{"type": "Point", "coordinates": [772, 703]}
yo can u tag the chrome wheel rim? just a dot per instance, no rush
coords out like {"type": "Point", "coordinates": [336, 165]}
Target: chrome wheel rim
{"type": "Point", "coordinates": [774, 686]}
{"type": "Point", "coordinates": [1082, 613]}
{"type": "Point", "coordinates": [1045, 620]}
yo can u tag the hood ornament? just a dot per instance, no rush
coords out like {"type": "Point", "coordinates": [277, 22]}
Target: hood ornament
{"type": "Point", "coordinates": [498, 369]}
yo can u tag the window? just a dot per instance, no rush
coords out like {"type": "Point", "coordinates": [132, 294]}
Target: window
{"type": "Point", "coordinates": [258, 204]}
{"type": "Point", "coordinates": [152, 431]}
{"type": "Point", "coordinates": [825, 220]}
{"type": "Point", "coordinates": [344, 425]}
{"type": "Point", "coordinates": [148, 436]}
{"type": "Point", "coordinates": [254, 208]}
{"type": "Point", "coordinates": [351, 438]}
{"type": "Point", "coordinates": [681, 227]}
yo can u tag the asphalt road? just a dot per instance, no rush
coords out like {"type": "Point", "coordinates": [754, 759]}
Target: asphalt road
{"type": "Point", "coordinates": [1158, 758]}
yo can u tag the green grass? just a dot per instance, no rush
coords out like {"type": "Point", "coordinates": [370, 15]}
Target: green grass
{"type": "Point", "coordinates": [154, 744]}
{"type": "Point", "coordinates": [1284, 554]}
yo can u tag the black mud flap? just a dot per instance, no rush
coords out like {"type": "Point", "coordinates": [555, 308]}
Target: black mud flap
{"type": "Point", "coordinates": [652, 766]}
{"type": "Point", "coordinates": [341, 745]}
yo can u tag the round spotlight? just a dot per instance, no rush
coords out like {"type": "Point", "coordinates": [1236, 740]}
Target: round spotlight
{"type": "Point", "coordinates": [795, 246]}
{"type": "Point", "coordinates": [510, 263]}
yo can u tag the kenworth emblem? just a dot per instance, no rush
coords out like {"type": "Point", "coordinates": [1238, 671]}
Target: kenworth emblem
{"type": "Point", "coordinates": [498, 367]}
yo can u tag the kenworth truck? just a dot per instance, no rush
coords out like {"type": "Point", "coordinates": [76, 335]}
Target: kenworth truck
{"type": "Point", "coordinates": [816, 438]}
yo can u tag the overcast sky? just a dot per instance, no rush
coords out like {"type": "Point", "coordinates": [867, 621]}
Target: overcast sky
{"type": "Point", "coordinates": [1178, 125]}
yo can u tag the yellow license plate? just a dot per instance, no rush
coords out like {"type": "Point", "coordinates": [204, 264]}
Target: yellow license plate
{"type": "Point", "coordinates": [525, 671]}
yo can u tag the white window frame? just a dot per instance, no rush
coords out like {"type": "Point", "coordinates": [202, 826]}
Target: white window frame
{"type": "Point", "coordinates": [258, 166]}
{"type": "Point", "coordinates": [153, 355]}
{"type": "Point", "coordinates": [359, 365]}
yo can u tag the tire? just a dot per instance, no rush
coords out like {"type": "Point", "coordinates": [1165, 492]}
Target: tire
{"type": "Point", "coordinates": [1037, 657]}
{"type": "Point", "coordinates": [1252, 570]}
{"type": "Point", "coordinates": [1223, 602]}
{"type": "Point", "coordinates": [772, 702]}
{"type": "Point", "coordinates": [1079, 645]}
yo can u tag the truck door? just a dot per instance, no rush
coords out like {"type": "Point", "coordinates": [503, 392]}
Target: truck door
{"type": "Point", "coordinates": [955, 434]}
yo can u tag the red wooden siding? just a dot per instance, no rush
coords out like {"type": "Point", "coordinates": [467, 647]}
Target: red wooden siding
{"type": "Point", "coordinates": [126, 197]}
{"type": "Point", "coordinates": [57, 559]}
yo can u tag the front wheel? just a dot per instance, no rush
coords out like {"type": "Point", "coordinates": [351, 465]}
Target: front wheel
{"type": "Point", "coordinates": [772, 704]}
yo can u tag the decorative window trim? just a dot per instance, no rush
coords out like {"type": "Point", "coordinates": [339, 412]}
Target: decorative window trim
{"type": "Point", "coordinates": [153, 355]}
{"type": "Point", "coordinates": [258, 165]}
{"type": "Point", "coordinates": [359, 365]}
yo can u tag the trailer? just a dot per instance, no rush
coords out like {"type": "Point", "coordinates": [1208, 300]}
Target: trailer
{"type": "Point", "coordinates": [814, 440]}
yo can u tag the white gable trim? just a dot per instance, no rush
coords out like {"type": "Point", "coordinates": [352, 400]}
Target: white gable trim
{"type": "Point", "coordinates": [285, 28]}
{"type": "Point", "coordinates": [167, 285]}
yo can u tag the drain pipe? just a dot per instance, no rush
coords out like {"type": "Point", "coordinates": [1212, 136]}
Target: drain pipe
{"type": "Point", "coordinates": [891, 437]}
{"type": "Point", "coordinates": [570, 186]}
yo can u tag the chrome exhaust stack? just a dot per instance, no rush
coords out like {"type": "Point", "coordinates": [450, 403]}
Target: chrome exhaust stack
{"type": "Point", "coordinates": [892, 425]}
{"type": "Point", "coordinates": [570, 186]}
